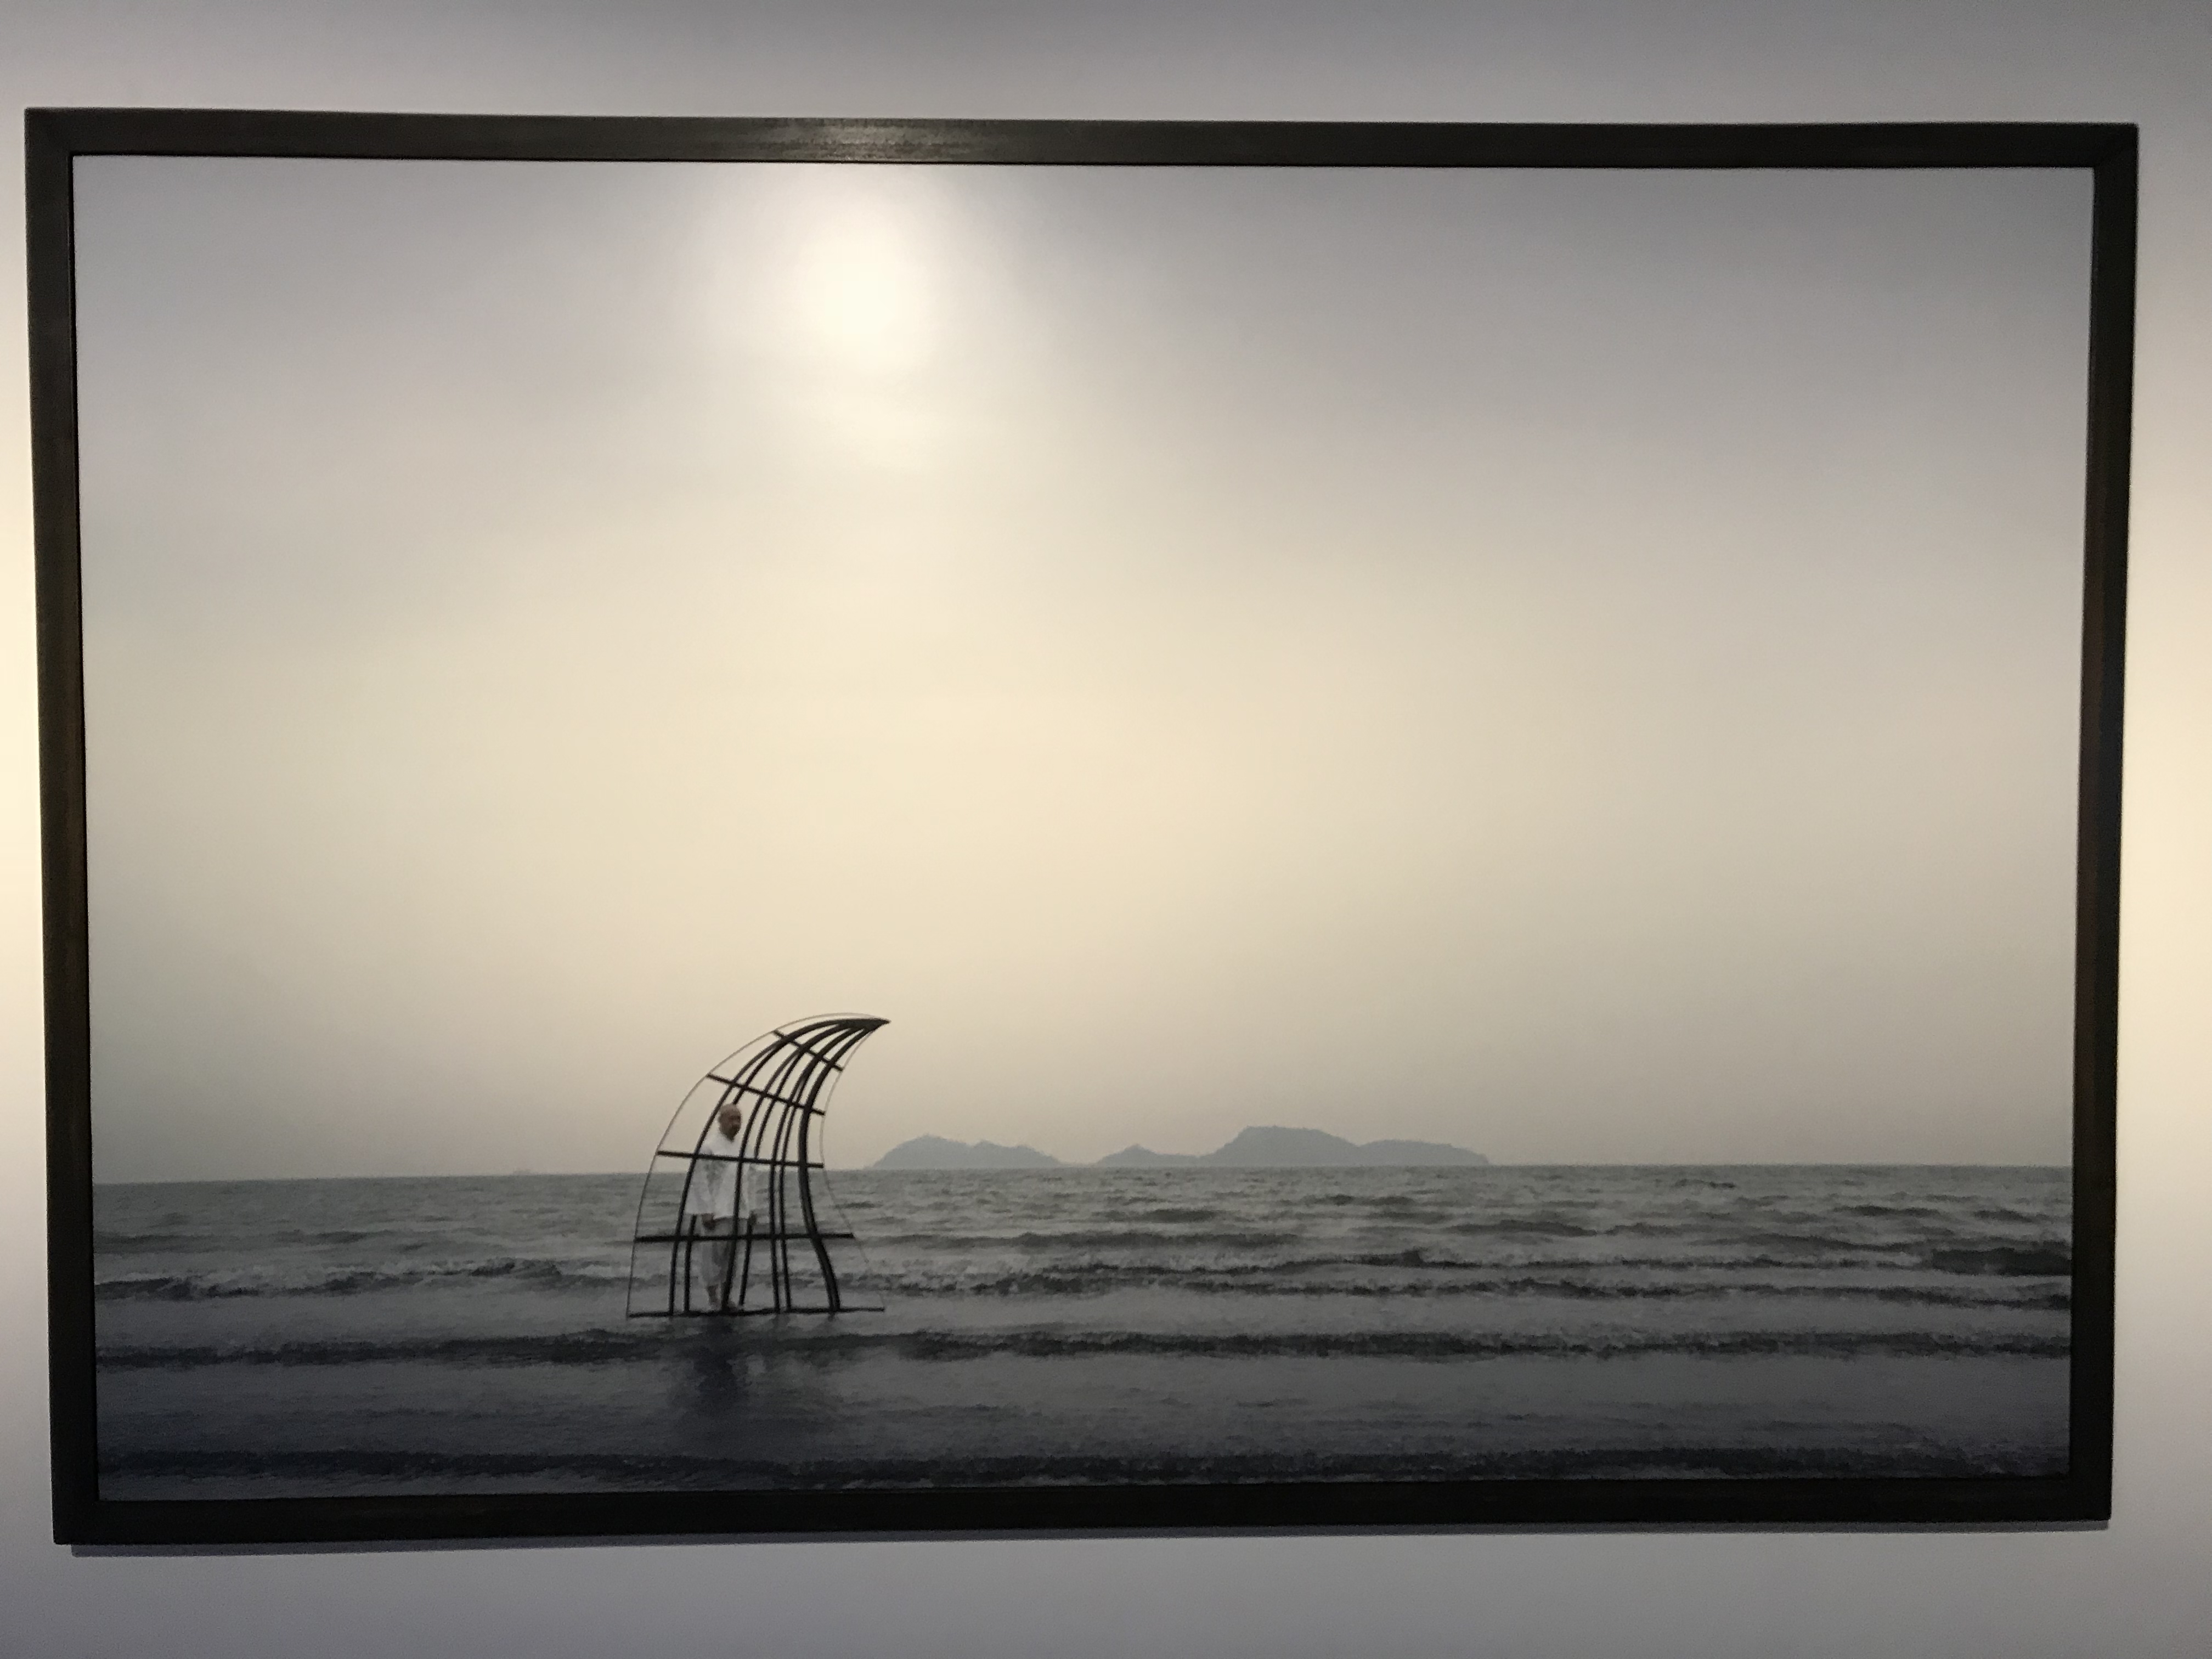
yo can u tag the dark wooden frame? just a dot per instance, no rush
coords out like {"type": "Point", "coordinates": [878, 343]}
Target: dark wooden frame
{"type": "Point", "coordinates": [55, 138]}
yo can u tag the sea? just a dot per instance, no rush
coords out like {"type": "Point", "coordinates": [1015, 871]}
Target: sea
{"type": "Point", "coordinates": [1068, 1326]}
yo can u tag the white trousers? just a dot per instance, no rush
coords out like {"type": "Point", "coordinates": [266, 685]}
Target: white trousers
{"type": "Point", "coordinates": [710, 1260]}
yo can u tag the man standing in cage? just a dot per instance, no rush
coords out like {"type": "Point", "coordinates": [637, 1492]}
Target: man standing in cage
{"type": "Point", "coordinates": [713, 1203]}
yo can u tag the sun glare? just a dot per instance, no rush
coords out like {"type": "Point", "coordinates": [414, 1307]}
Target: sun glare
{"type": "Point", "coordinates": [859, 283]}
{"type": "Point", "coordinates": [836, 293]}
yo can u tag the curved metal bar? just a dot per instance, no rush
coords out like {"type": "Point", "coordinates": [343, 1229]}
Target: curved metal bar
{"type": "Point", "coordinates": [801, 1060]}
{"type": "Point", "coordinates": [813, 1226]}
{"type": "Point", "coordinates": [797, 1108]}
{"type": "Point", "coordinates": [780, 1206]}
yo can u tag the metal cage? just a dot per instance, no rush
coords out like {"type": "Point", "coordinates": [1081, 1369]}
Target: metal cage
{"type": "Point", "coordinates": [732, 1186]}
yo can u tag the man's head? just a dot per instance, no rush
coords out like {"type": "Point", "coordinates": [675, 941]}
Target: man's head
{"type": "Point", "coordinates": [731, 1118]}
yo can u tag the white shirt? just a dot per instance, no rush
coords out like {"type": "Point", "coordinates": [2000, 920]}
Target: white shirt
{"type": "Point", "coordinates": [714, 1183]}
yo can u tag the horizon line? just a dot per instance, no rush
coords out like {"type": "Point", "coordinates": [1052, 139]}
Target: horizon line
{"type": "Point", "coordinates": [870, 1169]}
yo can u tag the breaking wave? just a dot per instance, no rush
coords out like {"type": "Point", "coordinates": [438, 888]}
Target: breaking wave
{"type": "Point", "coordinates": [832, 1343]}
{"type": "Point", "coordinates": [222, 1284]}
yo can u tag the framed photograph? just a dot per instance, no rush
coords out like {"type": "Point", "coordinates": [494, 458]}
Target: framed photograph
{"type": "Point", "coordinates": [1312, 825]}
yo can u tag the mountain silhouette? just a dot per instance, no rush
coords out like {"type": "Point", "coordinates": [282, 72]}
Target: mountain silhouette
{"type": "Point", "coordinates": [1263, 1147]}
{"type": "Point", "coordinates": [936, 1153]}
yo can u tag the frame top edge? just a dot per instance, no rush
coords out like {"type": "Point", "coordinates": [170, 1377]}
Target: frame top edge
{"type": "Point", "coordinates": [63, 133]}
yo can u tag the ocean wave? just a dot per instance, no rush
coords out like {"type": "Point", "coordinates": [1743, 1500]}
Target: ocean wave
{"type": "Point", "coordinates": [220, 1285]}
{"type": "Point", "coordinates": [1737, 1239]}
{"type": "Point", "coordinates": [827, 1342]}
{"type": "Point", "coordinates": [1414, 1272]}
{"type": "Point", "coordinates": [1421, 1264]}
{"type": "Point", "coordinates": [2038, 1260]}
{"type": "Point", "coordinates": [565, 1348]}
{"type": "Point", "coordinates": [1166, 1213]}
{"type": "Point", "coordinates": [1105, 1278]}
{"type": "Point", "coordinates": [1525, 1227]}
{"type": "Point", "coordinates": [1463, 1345]}
{"type": "Point", "coordinates": [1094, 1238]}
{"type": "Point", "coordinates": [112, 1239]}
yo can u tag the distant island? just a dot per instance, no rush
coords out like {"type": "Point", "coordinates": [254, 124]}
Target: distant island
{"type": "Point", "coordinates": [936, 1153]}
{"type": "Point", "coordinates": [1262, 1148]}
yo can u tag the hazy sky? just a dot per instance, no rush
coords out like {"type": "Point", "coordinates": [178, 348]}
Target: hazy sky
{"type": "Point", "coordinates": [1581, 665]}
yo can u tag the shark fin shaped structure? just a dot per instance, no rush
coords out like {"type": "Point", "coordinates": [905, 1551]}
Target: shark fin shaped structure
{"type": "Point", "coordinates": [733, 1220]}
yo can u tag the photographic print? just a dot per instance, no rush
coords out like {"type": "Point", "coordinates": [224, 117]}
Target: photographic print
{"type": "Point", "coordinates": [1308, 826]}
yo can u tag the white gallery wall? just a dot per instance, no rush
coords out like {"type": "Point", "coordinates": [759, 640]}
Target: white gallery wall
{"type": "Point", "coordinates": [2141, 1587]}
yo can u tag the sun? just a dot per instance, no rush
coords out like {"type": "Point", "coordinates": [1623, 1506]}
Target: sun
{"type": "Point", "coordinates": [861, 284]}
